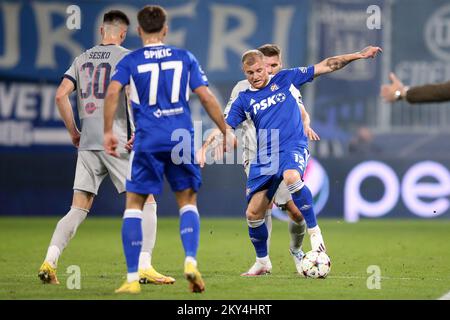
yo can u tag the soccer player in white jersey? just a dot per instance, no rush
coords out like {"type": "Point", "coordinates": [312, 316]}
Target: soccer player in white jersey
{"type": "Point", "coordinates": [89, 75]}
{"type": "Point", "coordinates": [282, 198]}
{"type": "Point", "coordinates": [282, 155]}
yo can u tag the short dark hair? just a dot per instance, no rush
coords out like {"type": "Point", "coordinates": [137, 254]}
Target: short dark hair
{"type": "Point", "coordinates": [116, 16]}
{"type": "Point", "coordinates": [152, 18]}
{"type": "Point", "coordinates": [270, 50]}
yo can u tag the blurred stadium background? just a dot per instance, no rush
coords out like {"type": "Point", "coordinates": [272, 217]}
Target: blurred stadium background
{"type": "Point", "coordinates": [374, 160]}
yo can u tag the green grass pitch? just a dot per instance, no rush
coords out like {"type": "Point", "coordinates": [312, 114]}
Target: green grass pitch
{"type": "Point", "coordinates": [413, 255]}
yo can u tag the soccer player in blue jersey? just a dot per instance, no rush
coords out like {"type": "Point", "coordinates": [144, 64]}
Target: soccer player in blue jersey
{"type": "Point", "coordinates": [160, 77]}
{"type": "Point", "coordinates": [282, 144]}
{"type": "Point", "coordinates": [282, 198]}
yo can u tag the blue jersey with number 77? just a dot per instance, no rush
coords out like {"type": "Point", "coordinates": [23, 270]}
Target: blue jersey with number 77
{"type": "Point", "coordinates": [160, 79]}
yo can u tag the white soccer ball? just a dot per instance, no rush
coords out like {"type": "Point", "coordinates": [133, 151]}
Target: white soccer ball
{"type": "Point", "coordinates": [316, 264]}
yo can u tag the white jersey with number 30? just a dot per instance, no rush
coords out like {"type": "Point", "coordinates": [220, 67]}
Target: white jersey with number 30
{"type": "Point", "coordinates": [91, 73]}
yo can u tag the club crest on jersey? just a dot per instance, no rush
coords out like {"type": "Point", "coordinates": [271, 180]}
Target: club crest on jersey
{"type": "Point", "coordinates": [268, 102]}
{"type": "Point", "coordinates": [274, 87]}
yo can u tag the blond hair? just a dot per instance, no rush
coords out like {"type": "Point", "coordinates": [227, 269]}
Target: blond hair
{"type": "Point", "coordinates": [249, 57]}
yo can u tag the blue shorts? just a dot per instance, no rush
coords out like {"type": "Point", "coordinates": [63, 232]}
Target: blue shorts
{"type": "Point", "coordinates": [147, 170]}
{"type": "Point", "coordinates": [269, 175]}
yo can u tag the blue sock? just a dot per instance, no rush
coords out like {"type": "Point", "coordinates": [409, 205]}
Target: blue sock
{"type": "Point", "coordinates": [132, 238]}
{"type": "Point", "coordinates": [258, 236]}
{"type": "Point", "coordinates": [190, 230]}
{"type": "Point", "coordinates": [304, 201]}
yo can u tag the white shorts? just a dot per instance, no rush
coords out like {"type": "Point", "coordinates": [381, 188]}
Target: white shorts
{"type": "Point", "coordinates": [93, 166]}
{"type": "Point", "coordinates": [282, 195]}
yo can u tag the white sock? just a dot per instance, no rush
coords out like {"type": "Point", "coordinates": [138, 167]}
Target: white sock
{"type": "Point", "coordinates": [263, 260]}
{"type": "Point", "coordinates": [190, 259]}
{"type": "Point", "coordinates": [64, 231]}
{"type": "Point", "coordinates": [149, 223]}
{"type": "Point", "coordinates": [316, 229]}
{"type": "Point", "coordinates": [52, 256]}
{"type": "Point", "coordinates": [134, 276]}
{"type": "Point", "coordinates": [144, 260]}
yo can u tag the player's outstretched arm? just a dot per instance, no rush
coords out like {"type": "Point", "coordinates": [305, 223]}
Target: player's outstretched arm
{"type": "Point", "coordinates": [129, 144]}
{"type": "Point", "coordinates": [310, 133]}
{"type": "Point", "coordinates": [215, 140]}
{"type": "Point", "coordinates": [338, 62]}
{"type": "Point", "coordinates": [65, 109]}
{"type": "Point", "coordinates": [212, 107]}
{"type": "Point", "coordinates": [212, 139]}
{"type": "Point", "coordinates": [111, 102]}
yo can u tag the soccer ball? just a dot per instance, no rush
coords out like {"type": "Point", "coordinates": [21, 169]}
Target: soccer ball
{"type": "Point", "coordinates": [316, 264]}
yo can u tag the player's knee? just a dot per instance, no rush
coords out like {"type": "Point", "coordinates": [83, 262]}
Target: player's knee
{"type": "Point", "coordinates": [253, 215]}
{"type": "Point", "coordinates": [291, 176]}
{"type": "Point", "coordinates": [186, 197]}
{"type": "Point", "coordinates": [82, 199]}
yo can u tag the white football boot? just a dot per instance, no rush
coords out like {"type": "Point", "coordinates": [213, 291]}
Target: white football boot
{"type": "Point", "coordinates": [317, 243]}
{"type": "Point", "coordinates": [261, 267]}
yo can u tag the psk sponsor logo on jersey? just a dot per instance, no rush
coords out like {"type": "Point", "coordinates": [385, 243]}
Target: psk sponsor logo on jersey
{"type": "Point", "coordinates": [274, 87]}
{"type": "Point", "coordinates": [157, 53]}
{"type": "Point", "coordinates": [90, 108]}
{"type": "Point", "coordinates": [268, 102]}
